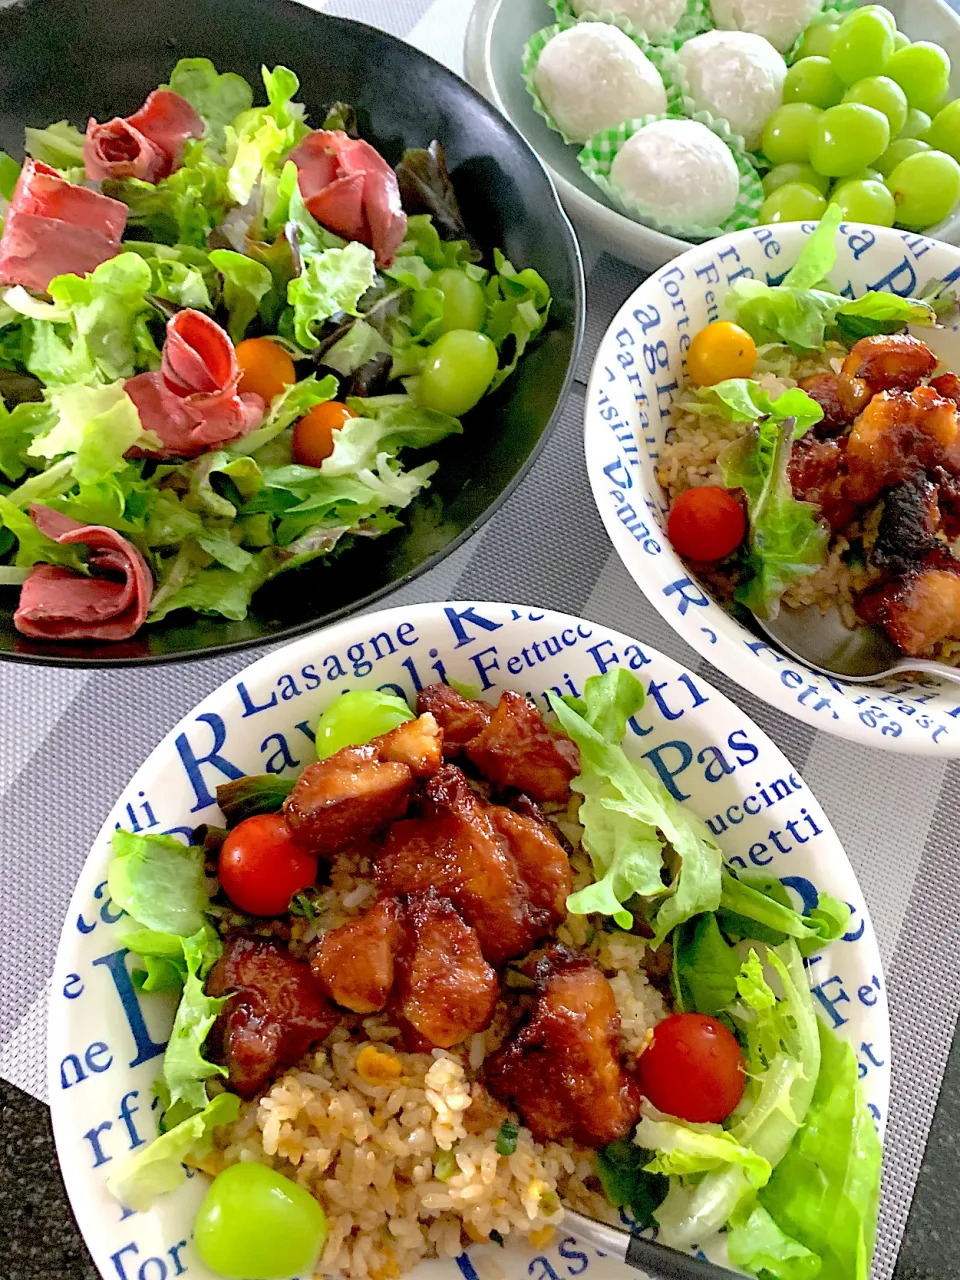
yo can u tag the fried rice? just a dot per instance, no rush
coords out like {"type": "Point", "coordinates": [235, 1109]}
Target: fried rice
{"type": "Point", "coordinates": [689, 458]}
{"type": "Point", "coordinates": [367, 1127]}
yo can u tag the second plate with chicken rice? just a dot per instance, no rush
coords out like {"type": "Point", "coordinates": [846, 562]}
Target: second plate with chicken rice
{"type": "Point", "coordinates": [480, 964]}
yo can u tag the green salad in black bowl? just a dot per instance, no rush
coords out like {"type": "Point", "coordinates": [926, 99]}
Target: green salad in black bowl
{"type": "Point", "coordinates": [285, 312]}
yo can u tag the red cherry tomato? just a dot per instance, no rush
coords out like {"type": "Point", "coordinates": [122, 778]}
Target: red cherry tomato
{"type": "Point", "coordinates": [313, 434]}
{"type": "Point", "coordinates": [693, 1069]}
{"type": "Point", "coordinates": [706, 523]}
{"type": "Point", "coordinates": [261, 867]}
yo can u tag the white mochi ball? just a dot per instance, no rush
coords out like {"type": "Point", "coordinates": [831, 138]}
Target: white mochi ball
{"type": "Point", "coordinates": [592, 77]}
{"type": "Point", "coordinates": [654, 17]}
{"type": "Point", "coordinates": [779, 21]}
{"type": "Point", "coordinates": [737, 77]}
{"type": "Point", "coordinates": [679, 172]}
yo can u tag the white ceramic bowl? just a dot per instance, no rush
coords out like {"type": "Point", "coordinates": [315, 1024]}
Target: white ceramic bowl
{"type": "Point", "coordinates": [500, 28]}
{"type": "Point", "coordinates": [639, 365]}
{"type": "Point", "coordinates": [104, 1042]}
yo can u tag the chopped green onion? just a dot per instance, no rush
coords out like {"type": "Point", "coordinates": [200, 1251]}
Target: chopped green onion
{"type": "Point", "coordinates": [445, 1166]}
{"type": "Point", "coordinates": [507, 1138]}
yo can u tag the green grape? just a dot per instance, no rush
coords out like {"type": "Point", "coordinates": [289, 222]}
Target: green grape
{"type": "Point", "coordinates": [883, 94]}
{"type": "Point", "coordinates": [356, 717]}
{"type": "Point", "coordinates": [865, 201]}
{"type": "Point", "coordinates": [785, 173]}
{"type": "Point", "coordinates": [813, 80]}
{"type": "Point", "coordinates": [862, 175]}
{"type": "Point", "coordinates": [900, 41]}
{"type": "Point", "coordinates": [862, 47]}
{"type": "Point", "coordinates": [917, 125]}
{"type": "Point", "coordinates": [786, 135]}
{"type": "Point", "coordinates": [944, 134]}
{"type": "Point", "coordinates": [897, 152]}
{"type": "Point", "coordinates": [926, 188]}
{"type": "Point", "coordinates": [464, 301]}
{"type": "Point", "coordinates": [457, 371]}
{"type": "Point", "coordinates": [847, 137]}
{"type": "Point", "coordinates": [922, 71]}
{"type": "Point", "coordinates": [255, 1224]}
{"type": "Point", "coordinates": [885, 14]}
{"type": "Point", "coordinates": [794, 202]}
{"type": "Point", "coordinates": [817, 40]}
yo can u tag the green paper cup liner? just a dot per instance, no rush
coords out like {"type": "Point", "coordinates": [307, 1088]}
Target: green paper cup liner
{"type": "Point", "coordinates": [832, 10]}
{"type": "Point", "coordinates": [598, 155]}
{"type": "Point", "coordinates": [695, 19]}
{"type": "Point", "coordinates": [531, 56]}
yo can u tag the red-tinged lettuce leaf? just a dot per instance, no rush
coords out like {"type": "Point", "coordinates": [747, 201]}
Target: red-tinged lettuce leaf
{"type": "Point", "coordinates": [426, 187]}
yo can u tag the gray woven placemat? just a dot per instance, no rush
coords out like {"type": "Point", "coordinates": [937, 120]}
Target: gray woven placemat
{"type": "Point", "coordinates": [71, 740]}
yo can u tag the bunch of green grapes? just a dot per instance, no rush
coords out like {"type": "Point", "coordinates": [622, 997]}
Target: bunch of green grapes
{"type": "Point", "coordinates": [866, 123]}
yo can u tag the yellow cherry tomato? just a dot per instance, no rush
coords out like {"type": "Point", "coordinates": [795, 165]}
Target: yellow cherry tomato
{"type": "Point", "coordinates": [720, 351]}
{"type": "Point", "coordinates": [313, 434]}
{"type": "Point", "coordinates": [265, 368]}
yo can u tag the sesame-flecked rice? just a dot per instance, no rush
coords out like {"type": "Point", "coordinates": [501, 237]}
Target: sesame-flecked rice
{"type": "Point", "coordinates": [362, 1124]}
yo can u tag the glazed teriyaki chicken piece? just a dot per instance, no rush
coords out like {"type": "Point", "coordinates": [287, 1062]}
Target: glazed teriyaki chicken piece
{"type": "Point", "coordinates": [416, 955]}
{"type": "Point", "coordinates": [511, 745]}
{"type": "Point", "coordinates": [480, 859]}
{"type": "Point", "coordinates": [358, 790]}
{"type": "Point", "coordinates": [277, 1009]}
{"type": "Point", "coordinates": [562, 1070]}
{"type": "Point", "coordinates": [888, 435]}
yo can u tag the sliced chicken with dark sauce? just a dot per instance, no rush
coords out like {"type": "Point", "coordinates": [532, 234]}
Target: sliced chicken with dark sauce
{"type": "Point", "coordinates": [920, 609]}
{"type": "Point", "coordinates": [358, 790]}
{"type": "Point", "coordinates": [457, 847]}
{"type": "Point", "coordinates": [276, 1010]}
{"type": "Point", "coordinates": [562, 1071]}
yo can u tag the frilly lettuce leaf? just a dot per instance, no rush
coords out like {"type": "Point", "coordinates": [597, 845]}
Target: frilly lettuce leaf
{"type": "Point", "coordinates": [804, 311]}
{"type": "Point", "coordinates": [219, 99]}
{"type": "Point", "coordinates": [18, 427]}
{"type": "Point", "coordinates": [96, 425]}
{"type": "Point", "coordinates": [682, 1149]}
{"type": "Point", "coordinates": [95, 329]}
{"type": "Point", "coordinates": [756, 1243]}
{"type": "Point", "coordinates": [164, 966]}
{"type": "Point", "coordinates": [744, 400]}
{"type": "Point", "coordinates": [284, 411]}
{"type": "Point", "coordinates": [258, 139]}
{"type": "Point", "coordinates": [629, 818]}
{"type": "Point", "coordinates": [518, 307]}
{"type": "Point", "coordinates": [185, 1069]}
{"type": "Point", "coordinates": [245, 282]}
{"type": "Point", "coordinates": [182, 209]}
{"type": "Point", "coordinates": [359, 345]}
{"type": "Point", "coordinates": [783, 1062]}
{"type": "Point", "coordinates": [334, 280]}
{"type": "Point", "coordinates": [159, 882]}
{"type": "Point", "coordinates": [787, 540]}
{"type": "Point", "coordinates": [59, 145]}
{"type": "Point", "coordinates": [825, 1192]}
{"type": "Point", "coordinates": [158, 1168]}
{"type": "Point", "coordinates": [34, 547]}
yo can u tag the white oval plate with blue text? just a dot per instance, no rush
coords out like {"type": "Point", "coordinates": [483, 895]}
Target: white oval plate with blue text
{"type": "Point", "coordinates": [105, 1041]}
{"type": "Point", "coordinates": [639, 367]}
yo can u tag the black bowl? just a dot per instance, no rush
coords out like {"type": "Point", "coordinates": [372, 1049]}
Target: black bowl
{"type": "Point", "coordinates": [70, 59]}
